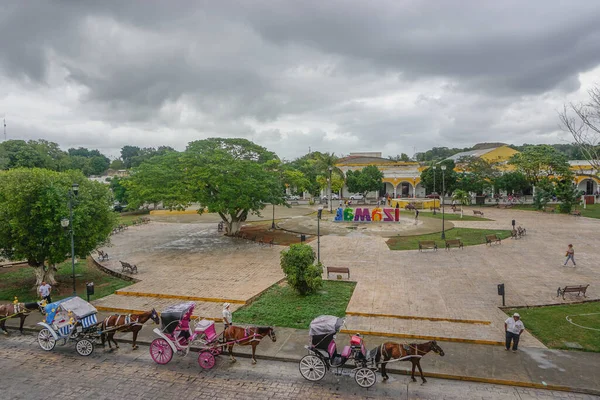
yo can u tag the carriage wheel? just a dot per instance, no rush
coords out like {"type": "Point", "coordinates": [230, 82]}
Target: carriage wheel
{"type": "Point", "coordinates": [160, 351]}
{"type": "Point", "coordinates": [365, 377]}
{"type": "Point", "coordinates": [46, 340]}
{"type": "Point", "coordinates": [84, 347]}
{"type": "Point", "coordinates": [206, 360]}
{"type": "Point", "coordinates": [312, 368]}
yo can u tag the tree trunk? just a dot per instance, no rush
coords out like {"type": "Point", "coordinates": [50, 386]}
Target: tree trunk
{"type": "Point", "coordinates": [50, 279]}
{"type": "Point", "coordinates": [40, 275]}
{"type": "Point", "coordinates": [461, 210]}
{"type": "Point", "coordinates": [233, 227]}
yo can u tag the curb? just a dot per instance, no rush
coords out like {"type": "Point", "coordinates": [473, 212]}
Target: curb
{"type": "Point", "coordinates": [434, 319]}
{"type": "Point", "coordinates": [130, 311]}
{"type": "Point", "coordinates": [423, 337]}
{"type": "Point", "coordinates": [491, 381]}
{"type": "Point", "coordinates": [178, 297]}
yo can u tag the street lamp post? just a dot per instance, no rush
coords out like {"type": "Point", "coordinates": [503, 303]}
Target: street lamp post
{"type": "Point", "coordinates": [443, 167]}
{"type": "Point", "coordinates": [65, 223]}
{"type": "Point", "coordinates": [434, 171]}
{"type": "Point", "coordinates": [319, 212]}
{"type": "Point", "coordinates": [330, 205]}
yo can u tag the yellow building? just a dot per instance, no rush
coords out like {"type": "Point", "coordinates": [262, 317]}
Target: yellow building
{"type": "Point", "coordinates": [403, 179]}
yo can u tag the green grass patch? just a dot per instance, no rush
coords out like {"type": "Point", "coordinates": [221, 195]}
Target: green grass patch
{"type": "Point", "coordinates": [550, 326]}
{"type": "Point", "coordinates": [282, 306]}
{"type": "Point", "coordinates": [469, 237]}
{"type": "Point", "coordinates": [20, 282]}
{"type": "Point", "coordinates": [451, 216]}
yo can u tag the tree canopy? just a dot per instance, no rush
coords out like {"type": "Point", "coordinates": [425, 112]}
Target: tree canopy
{"type": "Point", "coordinates": [366, 180]}
{"type": "Point", "coordinates": [157, 180]}
{"type": "Point", "coordinates": [537, 162]}
{"type": "Point", "coordinates": [450, 177]}
{"type": "Point", "coordinates": [232, 177]}
{"type": "Point", "coordinates": [32, 204]}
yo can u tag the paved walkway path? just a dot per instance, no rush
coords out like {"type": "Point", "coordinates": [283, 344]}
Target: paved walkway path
{"type": "Point", "coordinates": [530, 367]}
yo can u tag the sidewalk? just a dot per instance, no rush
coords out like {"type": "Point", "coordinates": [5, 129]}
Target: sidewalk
{"type": "Point", "coordinates": [530, 367]}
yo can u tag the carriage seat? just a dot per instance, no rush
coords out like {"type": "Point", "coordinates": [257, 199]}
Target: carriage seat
{"type": "Point", "coordinates": [207, 328]}
{"type": "Point", "coordinates": [346, 352]}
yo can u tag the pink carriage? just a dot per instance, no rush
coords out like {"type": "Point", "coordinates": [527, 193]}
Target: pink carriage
{"type": "Point", "coordinates": [176, 336]}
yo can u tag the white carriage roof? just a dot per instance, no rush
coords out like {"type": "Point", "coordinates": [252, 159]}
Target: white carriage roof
{"type": "Point", "coordinates": [79, 307]}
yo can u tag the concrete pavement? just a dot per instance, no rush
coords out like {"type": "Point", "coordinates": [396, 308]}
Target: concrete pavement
{"type": "Point", "coordinates": [30, 373]}
{"type": "Point", "coordinates": [530, 367]}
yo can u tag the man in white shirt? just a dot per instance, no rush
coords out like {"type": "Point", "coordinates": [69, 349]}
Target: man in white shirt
{"type": "Point", "coordinates": [513, 327]}
{"type": "Point", "coordinates": [44, 291]}
{"type": "Point", "coordinates": [226, 315]}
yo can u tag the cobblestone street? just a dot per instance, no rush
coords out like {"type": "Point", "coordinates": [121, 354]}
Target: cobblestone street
{"type": "Point", "coordinates": [28, 373]}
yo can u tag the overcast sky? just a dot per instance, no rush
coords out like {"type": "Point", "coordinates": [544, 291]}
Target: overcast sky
{"type": "Point", "coordinates": [337, 76]}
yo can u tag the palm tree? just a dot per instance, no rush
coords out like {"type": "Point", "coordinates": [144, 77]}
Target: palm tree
{"type": "Point", "coordinates": [463, 198]}
{"type": "Point", "coordinates": [325, 161]}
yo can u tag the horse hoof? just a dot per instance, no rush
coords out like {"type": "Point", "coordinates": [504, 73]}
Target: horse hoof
{"type": "Point", "coordinates": [253, 362]}
{"type": "Point", "coordinates": [135, 347]}
{"type": "Point", "coordinates": [385, 378]}
{"type": "Point", "coordinates": [5, 333]}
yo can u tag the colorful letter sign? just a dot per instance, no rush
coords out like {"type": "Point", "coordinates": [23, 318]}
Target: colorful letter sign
{"type": "Point", "coordinates": [365, 215]}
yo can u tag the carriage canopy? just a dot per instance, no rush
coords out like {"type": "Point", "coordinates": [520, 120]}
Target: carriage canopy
{"type": "Point", "coordinates": [325, 325]}
{"type": "Point", "coordinates": [171, 315]}
{"type": "Point", "coordinates": [78, 308]}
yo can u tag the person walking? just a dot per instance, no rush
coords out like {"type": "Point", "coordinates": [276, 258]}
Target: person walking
{"type": "Point", "coordinates": [570, 256]}
{"type": "Point", "coordinates": [416, 216]}
{"type": "Point", "coordinates": [44, 291]}
{"type": "Point", "coordinates": [513, 327]}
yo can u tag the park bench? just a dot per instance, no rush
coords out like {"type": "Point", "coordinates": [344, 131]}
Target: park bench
{"type": "Point", "coordinates": [128, 267]}
{"type": "Point", "coordinates": [576, 213]}
{"type": "Point", "coordinates": [477, 212]}
{"type": "Point", "coordinates": [102, 256]}
{"type": "Point", "coordinates": [489, 239]}
{"type": "Point", "coordinates": [572, 289]}
{"type": "Point", "coordinates": [294, 203]}
{"type": "Point", "coordinates": [549, 209]}
{"type": "Point", "coordinates": [341, 270]}
{"type": "Point", "coordinates": [220, 227]}
{"type": "Point", "coordinates": [454, 243]}
{"type": "Point", "coordinates": [521, 231]}
{"type": "Point", "coordinates": [427, 244]}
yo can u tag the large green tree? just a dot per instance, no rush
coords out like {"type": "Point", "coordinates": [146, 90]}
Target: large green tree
{"type": "Point", "coordinates": [538, 162]}
{"type": "Point", "coordinates": [232, 177]}
{"type": "Point", "coordinates": [512, 182]}
{"type": "Point", "coordinates": [449, 176]}
{"type": "Point", "coordinates": [157, 180]}
{"type": "Point", "coordinates": [368, 179]}
{"type": "Point", "coordinates": [32, 204]}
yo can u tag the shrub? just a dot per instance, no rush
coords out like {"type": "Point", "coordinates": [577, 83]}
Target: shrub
{"type": "Point", "coordinates": [301, 272]}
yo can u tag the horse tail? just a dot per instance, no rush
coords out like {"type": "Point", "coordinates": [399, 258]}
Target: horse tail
{"type": "Point", "coordinates": [378, 353]}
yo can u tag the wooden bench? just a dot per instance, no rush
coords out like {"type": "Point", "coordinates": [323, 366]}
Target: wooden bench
{"type": "Point", "coordinates": [576, 213]}
{"type": "Point", "coordinates": [489, 239]}
{"type": "Point", "coordinates": [454, 243]}
{"type": "Point", "coordinates": [427, 244]}
{"type": "Point", "coordinates": [549, 209]}
{"type": "Point", "coordinates": [521, 231]}
{"type": "Point", "coordinates": [572, 289]}
{"type": "Point", "coordinates": [341, 270]}
{"type": "Point", "coordinates": [128, 267]}
{"type": "Point", "coordinates": [477, 212]}
{"type": "Point", "coordinates": [102, 256]}
{"type": "Point", "coordinates": [294, 203]}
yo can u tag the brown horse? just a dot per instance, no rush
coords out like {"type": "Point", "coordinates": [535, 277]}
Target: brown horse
{"type": "Point", "coordinates": [408, 352]}
{"type": "Point", "coordinates": [250, 336]}
{"type": "Point", "coordinates": [20, 310]}
{"type": "Point", "coordinates": [126, 323]}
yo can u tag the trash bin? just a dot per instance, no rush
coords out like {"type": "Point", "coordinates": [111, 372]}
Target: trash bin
{"type": "Point", "coordinates": [302, 238]}
{"type": "Point", "coordinates": [90, 289]}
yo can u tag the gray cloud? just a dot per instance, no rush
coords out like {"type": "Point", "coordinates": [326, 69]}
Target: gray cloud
{"type": "Point", "coordinates": [336, 76]}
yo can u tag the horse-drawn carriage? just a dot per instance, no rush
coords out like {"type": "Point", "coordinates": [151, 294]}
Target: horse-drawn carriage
{"type": "Point", "coordinates": [70, 319]}
{"type": "Point", "coordinates": [323, 355]}
{"type": "Point", "coordinates": [177, 335]}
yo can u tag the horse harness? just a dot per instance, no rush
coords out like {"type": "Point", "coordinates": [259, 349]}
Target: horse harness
{"type": "Point", "coordinates": [18, 308]}
{"type": "Point", "coordinates": [126, 323]}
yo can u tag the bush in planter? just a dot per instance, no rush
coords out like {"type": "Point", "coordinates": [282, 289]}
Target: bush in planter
{"type": "Point", "coordinates": [301, 272]}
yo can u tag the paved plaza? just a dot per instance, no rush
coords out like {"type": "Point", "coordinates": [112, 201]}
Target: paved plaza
{"type": "Point", "coordinates": [29, 373]}
{"type": "Point", "coordinates": [440, 294]}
